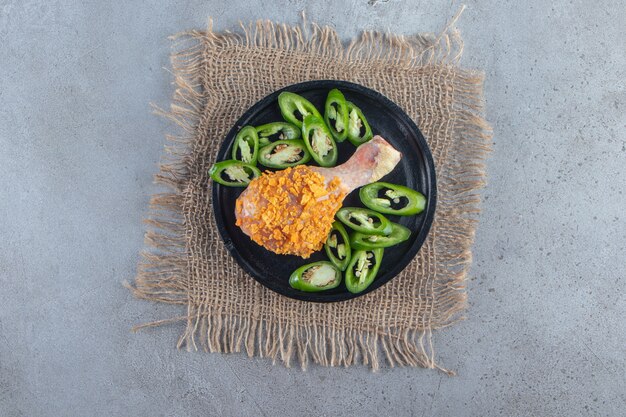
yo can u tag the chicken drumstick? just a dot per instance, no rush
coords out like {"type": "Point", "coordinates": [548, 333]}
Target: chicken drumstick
{"type": "Point", "coordinates": [292, 211]}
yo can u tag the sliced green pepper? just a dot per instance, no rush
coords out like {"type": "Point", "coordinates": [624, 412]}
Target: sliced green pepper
{"type": "Point", "coordinates": [359, 131]}
{"type": "Point", "coordinates": [284, 153]}
{"type": "Point", "coordinates": [319, 141]}
{"type": "Point", "coordinates": [338, 246]}
{"type": "Point", "coordinates": [336, 115]}
{"type": "Point", "coordinates": [271, 132]}
{"type": "Point", "coordinates": [234, 173]}
{"type": "Point", "coordinates": [392, 199]}
{"type": "Point", "coordinates": [364, 220]}
{"type": "Point", "coordinates": [295, 108]}
{"type": "Point", "coordinates": [363, 269]}
{"type": "Point", "coordinates": [246, 146]}
{"type": "Point", "coordinates": [316, 276]}
{"type": "Point", "coordinates": [398, 234]}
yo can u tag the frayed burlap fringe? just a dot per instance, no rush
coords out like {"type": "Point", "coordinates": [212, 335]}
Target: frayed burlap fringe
{"type": "Point", "coordinates": [187, 264]}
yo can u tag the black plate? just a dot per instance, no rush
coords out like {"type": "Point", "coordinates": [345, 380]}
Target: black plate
{"type": "Point", "coordinates": [416, 170]}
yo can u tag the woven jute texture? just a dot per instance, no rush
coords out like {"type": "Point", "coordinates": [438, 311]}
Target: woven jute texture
{"type": "Point", "coordinates": [220, 75]}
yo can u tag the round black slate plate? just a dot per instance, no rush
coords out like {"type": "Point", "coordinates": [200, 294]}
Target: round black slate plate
{"type": "Point", "coordinates": [416, 170]}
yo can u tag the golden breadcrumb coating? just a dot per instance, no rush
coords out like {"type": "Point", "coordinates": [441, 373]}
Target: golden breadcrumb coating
{"type": "Point", "coordinates": [292, 210]}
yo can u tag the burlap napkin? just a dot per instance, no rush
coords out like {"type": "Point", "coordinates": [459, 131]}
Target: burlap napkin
{"type": "Point", "coordinates": [218, 77]}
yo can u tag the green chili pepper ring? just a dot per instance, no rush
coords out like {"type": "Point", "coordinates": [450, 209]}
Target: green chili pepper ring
{"type": "Point", "coordinates": [398, 234]}
{"type": "Point", "coordinates": [359, 131]}
{"type": "Point", "coordinates": [392, 199]}
{"type": "Point", "coordinates": [363, 269]}
{"type": "Point", "coordinates": [316, 276]}
{"type": "Point", "coordinates": [272, 132]}
{"type": "Point", "coordinates": [233, 173]}
{"type": "Point", "coordinates": [295, 108]}
{"type": "Point", "coordinates": [364, 220]}
{"type": "Point", "coordinates": [336, 115]}
{"type": "Point", "coordinates": [284, 153]}
{"type": "Point", "coordinates": [246, 145]}
{"type": "Point", "coordinates": [337, 246]}
{"type": "Point", "coordinates": [319, 141]}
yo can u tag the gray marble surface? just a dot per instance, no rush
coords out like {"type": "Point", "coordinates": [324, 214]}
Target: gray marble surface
{"type": "Point", "coordinates": [546, 331]}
